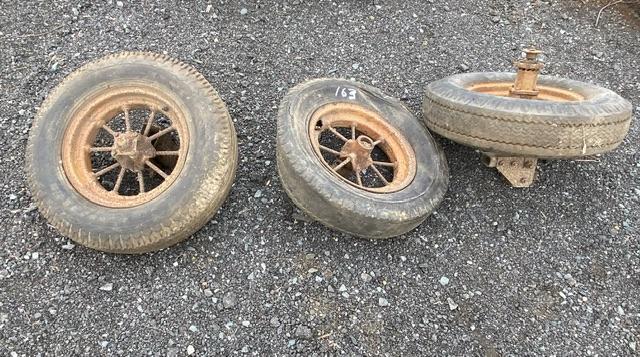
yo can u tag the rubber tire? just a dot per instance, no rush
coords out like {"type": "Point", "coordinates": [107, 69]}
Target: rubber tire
{"type": "Point", "coordinates": [183, 208]}
{"type": "Point", "coordinates": [524, 127]}
{"type": "Point", "coordinates": [335, 203]}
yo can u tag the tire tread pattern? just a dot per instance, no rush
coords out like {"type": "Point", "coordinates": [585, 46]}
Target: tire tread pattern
{"type": "Point", "coordinates": [526, 128]}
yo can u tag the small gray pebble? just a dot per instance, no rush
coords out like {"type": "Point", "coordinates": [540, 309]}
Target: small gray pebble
{"type": "Point", "coordinates": [444, 280]}
{"type": "Point", "coordinates": [229, 300]}
{"type": "Point", "coordinates": [303, 332]}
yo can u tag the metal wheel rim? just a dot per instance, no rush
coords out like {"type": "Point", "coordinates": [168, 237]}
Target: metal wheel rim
{"type": "Point", "coordinates": [95, 113]}
{"type": "Point", "coordinates": [375, 132]}
{"type": "Point", "coordinates": [548, 93]}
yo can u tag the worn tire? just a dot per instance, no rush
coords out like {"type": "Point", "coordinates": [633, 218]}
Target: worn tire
{"type": "Point", "coordinates": [524, 127]}
{"type": "Point", "coordinates": [337, 204]}
{"type": "Point", "coordinates": [185, 206]}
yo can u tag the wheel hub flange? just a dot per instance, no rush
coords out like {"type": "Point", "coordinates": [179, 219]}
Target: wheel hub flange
{"type": "Point", "coordinates": [359, 151]}
{"type": "Point", "coordinates": [131, 150]}
{"type": "Point", "coordinates": [527, 76]}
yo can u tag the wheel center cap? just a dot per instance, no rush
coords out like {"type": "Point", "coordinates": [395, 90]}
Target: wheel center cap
{"type": "Point", "coordinates": [131, 150]}
{"type": "Point", "coordinates": [359, 150]}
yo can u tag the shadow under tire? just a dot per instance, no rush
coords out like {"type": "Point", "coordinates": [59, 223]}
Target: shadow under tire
{"type": "Point", "coordinates": [172, 99]}
{"type": "Point", "coordinates": [572, 119]}
{"type": "Point", "coordinates": [416, 168]}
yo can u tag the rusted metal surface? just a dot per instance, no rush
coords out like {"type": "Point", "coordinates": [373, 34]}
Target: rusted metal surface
{"type": "Point", "coordinates": [525, 85]}
{"type": "Point", "coordinates": [527, 76]}
{"type": "Point", "coordinates": [368, 153]}
{"type": "Point", "coordinates": [130, 151]}
{"type": "Point", "coordinates": [502, 89]}
{"type": "Point", "coordinates": [519, 171]}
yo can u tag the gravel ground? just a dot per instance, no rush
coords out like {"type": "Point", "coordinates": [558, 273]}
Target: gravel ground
{"type": "Point", "coordinates": [550, 270]}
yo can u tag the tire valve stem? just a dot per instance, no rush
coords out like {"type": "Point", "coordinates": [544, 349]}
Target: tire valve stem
{"type": "Point", "coordinates": [528, 69]}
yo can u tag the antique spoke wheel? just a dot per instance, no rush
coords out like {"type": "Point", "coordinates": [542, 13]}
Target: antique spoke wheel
{"type": "Point", "coordinates": [357, 160]}
{"type": "Point", "coordinates": [131, 153]}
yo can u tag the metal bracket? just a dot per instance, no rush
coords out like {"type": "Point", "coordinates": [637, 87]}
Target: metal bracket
{"type": "Point", "coordinates": [519, 171]}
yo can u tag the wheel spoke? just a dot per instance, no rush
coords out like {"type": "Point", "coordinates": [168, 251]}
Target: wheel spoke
{"type": "Point", "coordinates": [140, 182]}
{"type": "Point", "coordinates": [106, 169]}
{"type": "Point", "coordinates": [116, 187]}
{"type": "Point", "coordinates": [353, 131]}
{"type": "Point", "coordinates": [147, 128]}
{"type": "Point", "coordinates": [162, 132]}
{"type": "Point", "coordinates": [156, 169]}
{"type": "Point", "coordinates": [382, 163]}
{"type": "Point", "coordinates": [101, 148]}
{"type": "Point", "coordinates": [109, 130]}
{"type": "Point", "coordinates": [375, 169]}
{"type": "Point", "coordinates": [358, 178]}
{"type": "Point", "coordinates": [127, 121]}
{"type": "Point", "coordinates": [336, 133]}
{"type": "Point", "coordinates": [322, 147]}
{"type": "Point", "coordinates": [341, 165]}
{"type": "Point", "coordinates": [167, 153]}
{"type": "Point", "coordinates": [381, 140]}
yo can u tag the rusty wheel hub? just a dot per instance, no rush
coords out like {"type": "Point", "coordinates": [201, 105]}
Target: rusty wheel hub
{"type": "Point", "coordinates": [131, 150]}
{"type": "Point", "coordinates": [361, 148]}
{"type": "Point", "coordinates": [526, 85]}
{"type": "Point", "coordinates": [528, 70]}
{"type": "Point", "coordinates": [358, 152]}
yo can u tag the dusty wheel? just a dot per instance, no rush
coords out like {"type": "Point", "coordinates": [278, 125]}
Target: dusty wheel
{"type": "Point", "coordinates": [131, 153]}
{"type": "Point", "coordinates": [357, 160]}
{"type": "Point", "coordinates": [568, 119]}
